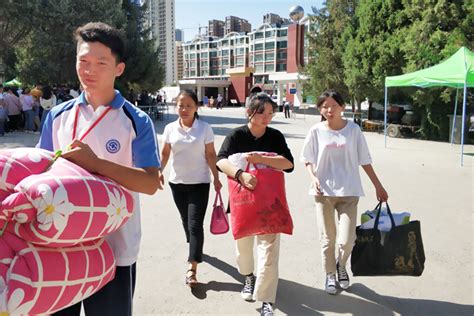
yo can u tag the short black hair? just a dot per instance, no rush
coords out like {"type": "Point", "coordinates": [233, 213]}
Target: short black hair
{"type": "Point", "coordinates": [104, 34]}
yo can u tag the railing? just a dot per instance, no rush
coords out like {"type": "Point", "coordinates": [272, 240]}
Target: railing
{"type": "Point", "coordinates": [156, 111]}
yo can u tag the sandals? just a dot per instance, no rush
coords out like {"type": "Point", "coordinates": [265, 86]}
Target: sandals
{"type": "Point", "coordinates": [191, 280]}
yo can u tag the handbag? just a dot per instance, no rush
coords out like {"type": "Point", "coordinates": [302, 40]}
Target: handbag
{"type": "Point", "coordinates": [396, 252]}
{"type": "Point", "coordinates": [219, 222]}
{"type": "Point", "coordinates": [263, 210]}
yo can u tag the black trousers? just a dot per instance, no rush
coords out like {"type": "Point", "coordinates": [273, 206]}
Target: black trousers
{"type": "Point", "coordinates": [287, 112]}
{"type": "Point", "coordinates": [113, 299]}
{"type": "Point", "coordinates": [191, 200]}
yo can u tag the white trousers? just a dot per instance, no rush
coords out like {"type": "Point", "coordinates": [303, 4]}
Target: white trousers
{"type": "Point", "coordinates": [268, 252]}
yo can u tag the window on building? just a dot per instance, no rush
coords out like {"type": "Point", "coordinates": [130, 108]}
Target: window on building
{"type": "Point", "coordinates": [269, 34]}
{"type": "Point", "coordinates": [258, 35]}
{"type": "Point", "coordinates": [282, 44]}
{"type": "Point", "coordinates": [281, 55]}
{"type": "Point", "coordinates": [282, 33]}
{"type": "Point", "coordinates": [258, 57]}
{"type": "Point", "coordinates": [269, 45]}
{"type": "Point", "coordinates": [240, 61]}
{"type": "Point", "coordinates": [259, 68]}
{"type": "Point", "coordinates": [204, 55]}
{"type": "Point", "coordinates": [213, 54]}
{"type": "Point", "coordinates": [225, 62]}
{"type": "Point", "coordinates": [259, 46]}
{"type": "Point", "coordinates": [269, 68]}
{"type": "Point", "coordinates": [281, 67]}
{"type": "Point", "coordinates": [240, 51]}
{"type": "Point", "coordinates": [269, 56]}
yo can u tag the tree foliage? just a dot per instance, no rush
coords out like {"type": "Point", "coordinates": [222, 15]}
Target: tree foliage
{"type": "Point", "coordinates": [326, 44]}
{"type": "Point", "coordinates": [46, 51]}
{"type": "Point", "coordinates": [390, 37]}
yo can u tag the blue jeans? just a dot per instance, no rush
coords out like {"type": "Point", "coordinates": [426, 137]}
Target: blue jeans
{"type": "Point", "coordinates": [29, 120]}
{"type": "Point", "coordinates": [115, 298]}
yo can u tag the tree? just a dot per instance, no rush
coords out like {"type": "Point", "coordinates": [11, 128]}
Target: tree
{"type": "Point", "coordinates": [436, 31]}
{"type": "Point", "coordinates": [47, 54]}
{"type": "Point", "coordinates": [143, 68]}
{"type": "Point", "coordinates": [373, 48]}
{"type": "Point", "coordinates": [17, 19]}
{"type": "Point", "coordinates": [326, 45]}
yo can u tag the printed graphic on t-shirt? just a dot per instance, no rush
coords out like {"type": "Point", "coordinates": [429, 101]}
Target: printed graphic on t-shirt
{"type": "Point", "coordinates": [112, 146]}
{"type": "Point", "coordinates": [336, 142]}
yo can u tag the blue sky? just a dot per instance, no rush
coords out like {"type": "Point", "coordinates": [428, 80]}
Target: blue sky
{"type": "Point", "coordinates": [192, 13]}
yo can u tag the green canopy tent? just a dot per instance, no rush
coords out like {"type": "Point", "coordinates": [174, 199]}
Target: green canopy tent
{"type": "Point", "coordinates": [11, 83]}
{"type": "Point", "coordinates": [457, 72]}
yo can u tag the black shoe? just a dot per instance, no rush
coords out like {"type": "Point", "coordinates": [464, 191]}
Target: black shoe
{"type": "Point", "coordinates": [342, 277]}
{"type": "Point", "coordinates": [249, 287]}
{"type": "Point", "coordinates": [267, 309]}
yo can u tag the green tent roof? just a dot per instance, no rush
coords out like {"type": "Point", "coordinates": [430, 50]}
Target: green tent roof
{"type": "Point", "coordinates": [13, 82]}
{"type": "Point", "coordinates": [453, 72]}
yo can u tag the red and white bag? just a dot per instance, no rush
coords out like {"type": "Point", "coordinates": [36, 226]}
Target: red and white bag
{"type": "Point", "coordinates": [39, 280]}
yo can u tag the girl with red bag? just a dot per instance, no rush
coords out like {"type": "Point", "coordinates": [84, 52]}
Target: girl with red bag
{"type": "Point", "coordinates": [250, 138]}
{"type": "Point", "coordinates": [332, 153]}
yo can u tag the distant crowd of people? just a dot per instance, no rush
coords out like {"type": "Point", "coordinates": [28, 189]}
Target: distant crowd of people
{"type": "Point", "coordinates": [25, 109]}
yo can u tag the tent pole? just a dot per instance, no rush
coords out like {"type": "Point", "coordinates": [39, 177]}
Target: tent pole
{"type": "Point", "coordinates": [464, 99]}
{"type": "Point", "coordinates": [454, 116]}
{"type": "Point", "coordinates": [385, 117]}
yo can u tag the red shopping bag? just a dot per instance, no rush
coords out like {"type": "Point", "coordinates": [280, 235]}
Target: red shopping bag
{"type": "Point", "coordinates": [263, 210]}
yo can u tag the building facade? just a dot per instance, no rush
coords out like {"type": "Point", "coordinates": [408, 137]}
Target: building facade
{"type": "Point", "coordinates": [216, 28]}
{"type": "Point", "coordinates": [236, 24]}
{"type": "Point", "coordinates": [161, 18]}
{"type": "Point", "coordinates": [179, 35]}
{"type": "Point", "coordinates": [270, 56]}
{"type": "Point", "coordinates": [179, 60]}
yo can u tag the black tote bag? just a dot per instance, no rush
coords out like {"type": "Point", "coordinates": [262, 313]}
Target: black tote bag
{"type": "Point", "coordinates": [397, 252]}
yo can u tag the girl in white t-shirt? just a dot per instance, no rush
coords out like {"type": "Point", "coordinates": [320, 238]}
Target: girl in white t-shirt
{"type": "Point", "coordinates": [332, 153]}
{"type": "Point", "coordinates": [192, 143]}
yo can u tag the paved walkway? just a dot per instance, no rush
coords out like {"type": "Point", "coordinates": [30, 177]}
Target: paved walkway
{"type": "Point", "coordinates": [421, 177]}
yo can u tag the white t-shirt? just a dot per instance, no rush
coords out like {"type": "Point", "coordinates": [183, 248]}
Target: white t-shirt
{"type": "Point", "coordinates": [48, 104]}
{"type": "Point", "coordinates": [188, 162]}
{"type": "Point", "coordinates": [336, 156]}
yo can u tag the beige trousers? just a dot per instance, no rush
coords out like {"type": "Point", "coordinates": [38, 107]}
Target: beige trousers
{"type": "Point", "coordinates": [268, 252]}
{"type": "Point", "coordinates": [346, 209]}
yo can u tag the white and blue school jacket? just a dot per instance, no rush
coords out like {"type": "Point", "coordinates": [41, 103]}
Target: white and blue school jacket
{"type": "Point", "coordinates": [125, 135]}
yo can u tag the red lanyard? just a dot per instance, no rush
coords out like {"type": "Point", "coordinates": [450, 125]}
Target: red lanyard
{"type": "Point", "coordinates": [90, 127]}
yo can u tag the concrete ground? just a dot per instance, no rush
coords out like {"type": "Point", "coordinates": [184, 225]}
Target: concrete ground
{"type": "Point", "coordinates": [421, 177]}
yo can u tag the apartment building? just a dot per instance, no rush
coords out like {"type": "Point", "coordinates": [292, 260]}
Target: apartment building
{"type": "Point", "coordinates": [161, 18]}
{"type": "Point", "coordinates": [270, 56]}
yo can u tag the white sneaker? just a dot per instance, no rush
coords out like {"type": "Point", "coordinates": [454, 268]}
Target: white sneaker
{"type": "Point", "coordinates": [342, 277]}
{"type": "Point", "coordinates": [330, 287]}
